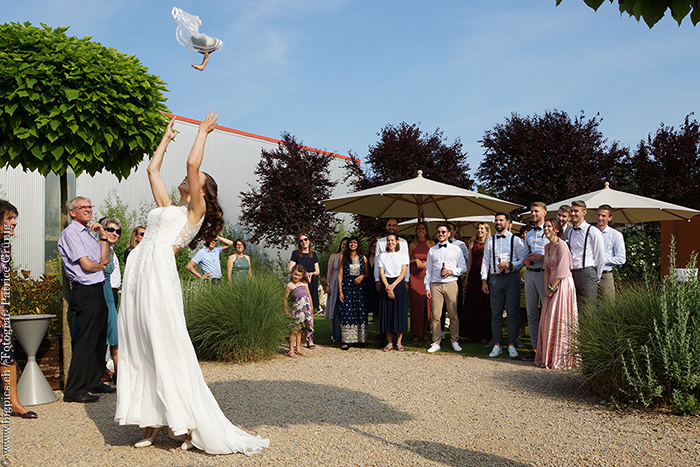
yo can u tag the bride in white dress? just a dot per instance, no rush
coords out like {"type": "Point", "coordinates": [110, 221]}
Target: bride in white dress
{"type": "Point", "coordinates": [160, 385]}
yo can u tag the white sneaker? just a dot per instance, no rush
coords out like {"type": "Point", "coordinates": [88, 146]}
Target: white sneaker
{"type": "Point", "coordinates": [512, 352]}
{"type": "Point", "coordinates": [496, 351]}
{"type": "Point", "coordinates": [433, 348]}
{"type": "Point", "coordinates": [455, 345]}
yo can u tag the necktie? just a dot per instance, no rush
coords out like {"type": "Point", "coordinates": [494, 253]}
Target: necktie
{"type": "Point", "coordinates": [442, 245]}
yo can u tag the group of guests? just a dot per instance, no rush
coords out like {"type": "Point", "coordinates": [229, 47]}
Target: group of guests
{"type": "Point", "coordinates": [561, 262]}
{"type": "Point", "coordinates": [207, 259]}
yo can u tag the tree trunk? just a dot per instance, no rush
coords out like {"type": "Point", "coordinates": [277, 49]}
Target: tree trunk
{"type": "Point", "coordinates": [67, 350]}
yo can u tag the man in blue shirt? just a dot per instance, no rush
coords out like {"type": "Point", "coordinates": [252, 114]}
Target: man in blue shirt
{"type": "Point", "coordinates": [208, 259]}
{"type": "Point", "coordinates": [534, 275]}
{"type": "Point", "coordinates": [615, 254]}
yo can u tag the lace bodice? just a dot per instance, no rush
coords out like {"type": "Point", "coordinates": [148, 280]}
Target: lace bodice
{"type": "Point", "coordinates": [169, 225]}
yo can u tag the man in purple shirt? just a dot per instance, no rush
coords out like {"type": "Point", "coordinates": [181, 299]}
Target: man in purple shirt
{"type": "Point", "coordinates": [84, 259]}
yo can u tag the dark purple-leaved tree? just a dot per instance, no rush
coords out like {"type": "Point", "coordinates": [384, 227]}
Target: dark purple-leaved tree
{"type": "Point", "coordinates": [667, 165]}
{"type": "Point", "coordinates": [402, 151]}
{"type": "Point", "coordinates": [292, 182]}
{"type": "Point", "coordinates": [549, 158]}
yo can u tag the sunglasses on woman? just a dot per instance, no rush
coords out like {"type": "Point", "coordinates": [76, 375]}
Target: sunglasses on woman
{"type": "Point", "coordinates": [112, 230]}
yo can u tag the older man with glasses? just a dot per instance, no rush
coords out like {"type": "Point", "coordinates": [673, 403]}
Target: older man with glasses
{"type": "Point", "coordinates": [444, 265]}
{"type": "Point", "coordinates": [84, 260]}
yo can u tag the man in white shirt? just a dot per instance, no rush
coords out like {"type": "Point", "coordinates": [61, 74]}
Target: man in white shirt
{"type": "Point", "coordinates": [534, 274]}
{"type": "Point", "coordinates": [392, 225]}
{"type": "Point", "coordinates": [615, 254]}
{"type": "Point", "coordinates": [564, 216]}
{"type": "Point", "coordinates": [460, 283]}
{"type": "Point", "coordinates": [444, 265]}
{"type": "Point", "coordinates": [500, 277]}
{"type": "Point", "coordinates": [587, 255]}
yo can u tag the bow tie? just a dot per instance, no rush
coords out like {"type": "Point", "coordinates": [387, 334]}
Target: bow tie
{"type": "Point", "coordinates": [576, 228]}
{"type": "Point", "coordinates": [500, 236]}
{"type": "Point", "coordinates": [442, 245]}
{"type": "Point", "coordinates": [537, 228]}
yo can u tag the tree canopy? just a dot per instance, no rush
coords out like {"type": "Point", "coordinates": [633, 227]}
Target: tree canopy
{"type": "Point", "coordinates": [72, 103]}
{"type": "Point", "coordinates": [402, 151]}
{"type": "Point", "coordinates": [667, 165]}
{"type": "Point", "coordinates": [653, 10]}
{"type": "Point", "coordinates": [293, 180]}
{"type": "Point", "coordinates": [549, 158]}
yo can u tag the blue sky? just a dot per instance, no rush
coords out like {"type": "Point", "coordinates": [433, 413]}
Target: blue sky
{"type": "Point", "coordinates": [334, 72]}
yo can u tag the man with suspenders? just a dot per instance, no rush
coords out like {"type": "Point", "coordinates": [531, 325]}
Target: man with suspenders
{"type": "Point", "coordinates": [587, 255]}
{"type": "Point", "coordinates": [500, 277]}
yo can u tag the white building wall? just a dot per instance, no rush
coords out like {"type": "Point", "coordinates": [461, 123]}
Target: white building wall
{"type": "Point", "coordinates": [230, 156]}
{"type": "Point", "coordinates": [25, 190]}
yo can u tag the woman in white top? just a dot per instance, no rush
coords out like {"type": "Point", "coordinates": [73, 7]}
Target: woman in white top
{"type": "Point", "coordinates": [393, 309]}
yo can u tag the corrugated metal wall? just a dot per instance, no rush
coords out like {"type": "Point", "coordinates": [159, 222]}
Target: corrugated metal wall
{"type": "Point", "coordinates": [229, 157]}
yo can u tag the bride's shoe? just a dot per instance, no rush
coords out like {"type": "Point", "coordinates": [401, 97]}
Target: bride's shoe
{"type": "Point", "coordinates": [187, 445]}
{"type": "Point", "coordinates": [144, 443]}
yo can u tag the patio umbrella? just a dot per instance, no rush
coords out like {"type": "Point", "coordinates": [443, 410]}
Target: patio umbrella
{"type": "Point", "coordinates": [466, 226]}
{"type": "Point", "coordinates": [418, 197]}
{"type": "Point", "coordinates": [627, 208]}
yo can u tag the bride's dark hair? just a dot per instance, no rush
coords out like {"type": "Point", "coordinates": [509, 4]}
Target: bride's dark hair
{"type": "Point", "coordinates": [214, 216]}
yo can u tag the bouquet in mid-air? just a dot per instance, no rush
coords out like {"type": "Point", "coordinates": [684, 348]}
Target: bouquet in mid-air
{"type": "Point", "coordinates": [188, 34]}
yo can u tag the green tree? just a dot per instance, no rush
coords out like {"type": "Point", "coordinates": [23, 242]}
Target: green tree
{"type": "Point", "coordinates": [72, 104]}
{"type": "Point", "coordinates": [653, 10]}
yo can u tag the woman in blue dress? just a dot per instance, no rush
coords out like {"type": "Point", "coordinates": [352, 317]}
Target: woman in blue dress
{"type": "Point", "coordinates": [113, 232]}
{"type": "Point", "coordinates": [351, 296]}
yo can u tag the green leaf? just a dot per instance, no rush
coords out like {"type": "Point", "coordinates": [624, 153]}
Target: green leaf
{"type": "Point", "coordinates": [10, 108]}
{"type": "Point", "coordinates": [595, 4]}
{"type": "Point", "coordinates": [57, 152]}
{"type": "Point", "coordinates": [36, 151]}
{"type": "Point", "coordinates": [679, 10]}
{"type": "Point", "coordinates": [72, 94]}
{"type": "Point", "coordinates": [652, 12]}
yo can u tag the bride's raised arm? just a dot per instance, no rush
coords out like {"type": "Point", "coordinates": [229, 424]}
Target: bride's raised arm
{"type": "Point", "coordinates": [197, 206]}
{"type": "Point", "coordinates": [160, 193]}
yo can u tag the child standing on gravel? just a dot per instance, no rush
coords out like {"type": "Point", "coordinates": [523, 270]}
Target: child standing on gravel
{"type": "Point", "coordinates": [301, 310]}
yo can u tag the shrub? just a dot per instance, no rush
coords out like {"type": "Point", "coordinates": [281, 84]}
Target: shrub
{"type": "Point", "coordinates": [645, 346]}
{"type": "Point", "coordinates": [643, 246]}
{"type": "Point", "coordinates": [239, 322]}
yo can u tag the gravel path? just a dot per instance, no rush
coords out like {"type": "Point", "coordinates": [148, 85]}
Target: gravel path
{"type": "Point", "coordinates": [368, 408]}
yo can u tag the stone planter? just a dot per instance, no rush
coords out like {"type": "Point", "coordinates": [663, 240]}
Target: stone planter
{"type": "Point", "coordinates": [49, 357]}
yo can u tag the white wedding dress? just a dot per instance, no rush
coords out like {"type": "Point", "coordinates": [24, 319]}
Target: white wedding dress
{"type": "Point", "coordinates": [160, 382]}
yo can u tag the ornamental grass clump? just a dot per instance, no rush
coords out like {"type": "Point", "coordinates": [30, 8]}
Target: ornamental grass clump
{"type": "Point", "coordinates": [239, 322]}
{"type": "Point", "coordinates": [643, 348]}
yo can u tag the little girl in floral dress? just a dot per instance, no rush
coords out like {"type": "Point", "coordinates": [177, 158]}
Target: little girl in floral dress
{"type": "Point", "coordinates": [301, 310]}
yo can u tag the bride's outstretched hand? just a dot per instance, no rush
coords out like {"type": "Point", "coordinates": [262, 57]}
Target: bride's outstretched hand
{"type": "Point", "coordinates": [209, 122]}
{"type": "Point", "coordinates": [170, 132]}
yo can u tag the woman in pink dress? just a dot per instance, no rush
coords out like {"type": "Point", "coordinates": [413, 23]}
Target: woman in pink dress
{"type": "Point", "coordinates": [418, 253]}
{"type": "Point", "coordinates": [559, 318]}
